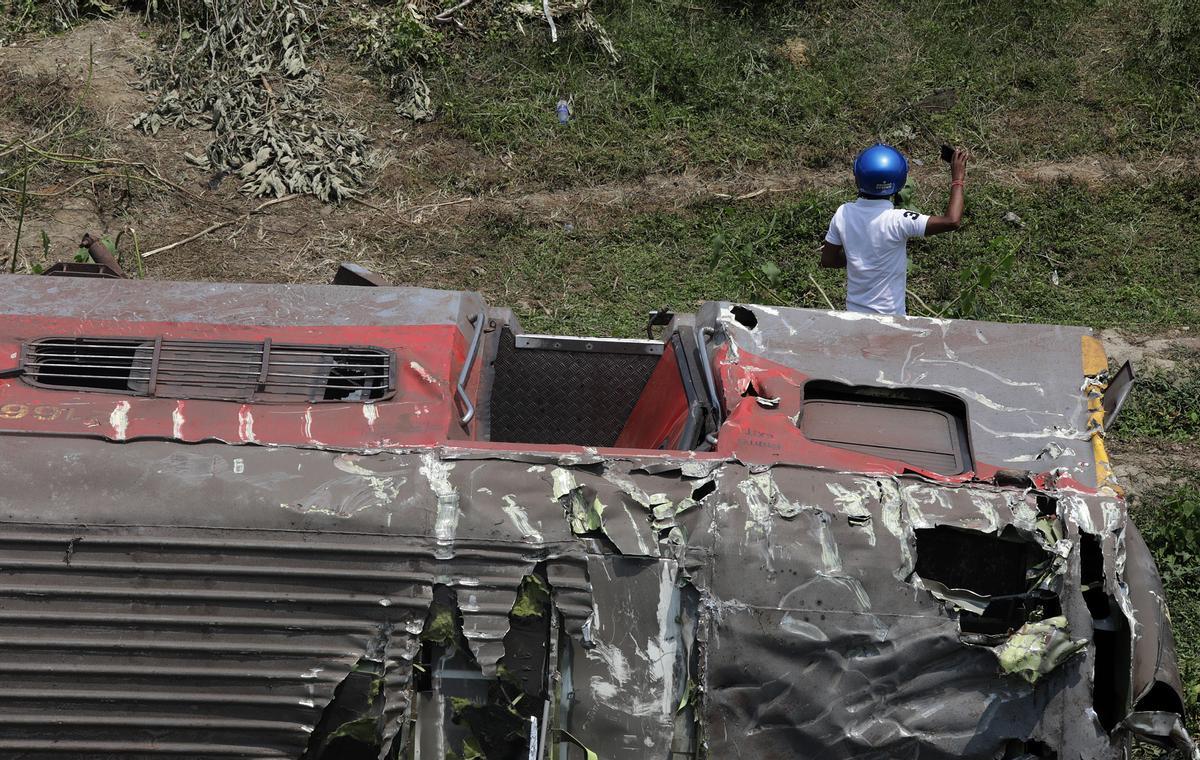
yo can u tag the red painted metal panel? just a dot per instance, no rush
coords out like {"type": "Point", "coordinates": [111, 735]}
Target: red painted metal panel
{"type": "Point", "coordinates": [421, 412]}
{"type": "Point", "coordinates": [661, 411]}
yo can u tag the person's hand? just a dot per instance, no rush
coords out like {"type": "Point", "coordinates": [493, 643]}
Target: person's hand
{"type": "Point", "coordinates": [958, 164]}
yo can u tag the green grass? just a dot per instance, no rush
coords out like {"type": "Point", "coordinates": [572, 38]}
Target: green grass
{"type": "Point", "coordinates": [1121, 258]}
{"type": "Point", "coordinates": [704, 83]}
{"type": "Point", "coordinates": [1164, 405]}
{"type": "Point", "coordinates": [1170, 522]}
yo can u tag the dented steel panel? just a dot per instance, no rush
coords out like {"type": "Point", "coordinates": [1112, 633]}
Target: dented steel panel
{"type": "Point", "coordinates": [1021, 383]}
{"type": "Point", "coordinates": [259, 597]}
{"type": "Point", "coordinates": [167, 595]}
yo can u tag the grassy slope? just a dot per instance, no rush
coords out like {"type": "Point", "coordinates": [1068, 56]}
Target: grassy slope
{"type": "Point", "coordinates": [1121, 258]}
{"type": "Point", "coordinates": [708, 83]}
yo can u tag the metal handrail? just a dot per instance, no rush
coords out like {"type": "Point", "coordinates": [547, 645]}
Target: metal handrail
{"type": "Point", "coordinates": [710, 382]}
{"type": "Point", "coordinates": [461, 389]}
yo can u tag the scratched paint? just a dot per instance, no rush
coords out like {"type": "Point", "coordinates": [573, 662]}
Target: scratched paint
{"type": "Point", "coordinates": [520, 518]}
{"type": "Point", "coordinates": [119, 420]}
{"type": "Point", "coordinates": [422, 372]}
{"type": "Point", "coordinates": [758, 490]}
{"type": "Point", "coordinates": [308, 424]}
{"type": "Point", "coordinates": [384, 487]}
{"type": "Point", "coordinates": [437, 474]}
{"type": "Point", "coordinates": [246, 424]}
{"type": "Point", "coordinates": [853, 504]}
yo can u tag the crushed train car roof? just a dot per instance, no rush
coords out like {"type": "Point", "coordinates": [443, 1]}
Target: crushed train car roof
{"type": "Point", "coordinates": [267, 521]}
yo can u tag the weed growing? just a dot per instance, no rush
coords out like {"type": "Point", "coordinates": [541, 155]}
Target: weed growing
{"type": "Point", "coordinates": [1169, 520]}
{"type": "Point", "coordinates": [1164, 405]}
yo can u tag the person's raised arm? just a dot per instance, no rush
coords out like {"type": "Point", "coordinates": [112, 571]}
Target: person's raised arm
{"type": "Point", "coordinates": [951, 220]}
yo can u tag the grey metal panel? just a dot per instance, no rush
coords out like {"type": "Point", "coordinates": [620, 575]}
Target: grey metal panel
{"type": "Point", "coordinates": [923, 437]}
{"type": "Point", "coordinates": [205, 600]}
{"type": "Point", "coordinates": [1020, 382]}
{"type": "Point", "coordinates": [173, 605]}
{"type": "Point", "coordinates": [233, 303]}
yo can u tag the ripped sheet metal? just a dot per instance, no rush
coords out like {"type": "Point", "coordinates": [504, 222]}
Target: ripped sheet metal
{"type": "Point", "coordinates": [1020, 382]}
{"type": "Point", "coordinates": [207, 601]}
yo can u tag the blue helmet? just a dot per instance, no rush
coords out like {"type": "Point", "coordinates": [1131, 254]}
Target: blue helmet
{"type": "Point", "coordinates": [880, 170]}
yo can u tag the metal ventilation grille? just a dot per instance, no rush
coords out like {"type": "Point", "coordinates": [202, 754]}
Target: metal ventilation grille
{"type": "Point", "coordinates": [226, 370]}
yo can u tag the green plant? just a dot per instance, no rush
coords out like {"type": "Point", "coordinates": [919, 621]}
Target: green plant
{"type": "Point", "coordinates": [1174, 535]}
{"type": "Point", "coordinates": [1169, 519]}
{"type": "Point", "coordinates": [1170, 37]}
{"type": "Point", "coordinates": [975, 282]}
{"type": "Point", "coordinates": [1164, 404]}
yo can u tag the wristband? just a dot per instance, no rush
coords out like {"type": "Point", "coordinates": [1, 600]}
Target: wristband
{"type": "Point", "coordinates": [959, 182]}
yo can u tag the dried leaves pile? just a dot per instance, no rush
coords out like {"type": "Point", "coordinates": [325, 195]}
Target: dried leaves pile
{"type": "Point", "coordinates": [242, 69]}
{"type": "Point", "coordinates": [247, 78]}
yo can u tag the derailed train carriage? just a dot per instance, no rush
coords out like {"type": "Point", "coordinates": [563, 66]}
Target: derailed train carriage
{"type": "Point", "coordinates": [265, 521]}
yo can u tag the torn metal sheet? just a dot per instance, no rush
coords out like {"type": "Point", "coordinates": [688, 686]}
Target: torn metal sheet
{"type": "Point", "coordinates": [379, 580]}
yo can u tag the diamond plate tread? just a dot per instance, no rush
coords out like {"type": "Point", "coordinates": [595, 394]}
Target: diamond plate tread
{"type": "Point", "coordinates": [573, 397]}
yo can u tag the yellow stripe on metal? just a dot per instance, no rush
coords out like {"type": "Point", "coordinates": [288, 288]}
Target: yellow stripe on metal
{"type": "Point", "coordinates": [1095, 363]}
{"type": "Point", "coordinates": [1094, 359]}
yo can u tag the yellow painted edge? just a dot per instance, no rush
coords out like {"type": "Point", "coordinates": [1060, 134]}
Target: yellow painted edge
{"type": "Point", "coordinates": [1095, 361]}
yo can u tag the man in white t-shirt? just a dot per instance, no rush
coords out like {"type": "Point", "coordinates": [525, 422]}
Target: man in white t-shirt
{"type": "Point", "coordinates": [869, 236]}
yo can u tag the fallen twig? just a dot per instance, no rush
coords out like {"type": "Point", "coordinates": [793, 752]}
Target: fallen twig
{"type": "Point", "coordinates": [220, 225]}
{"type": "Point", "coordinates": [71, 158]}
{"type": "Point", "coordinates": [446, 14]}
{"type": "Point", "coordinates": [368, 204]}
{"type": "Point", "coordinates": [821, 290]}
{"type": "Point", "coordinates": [754, 194]}
{"type": "Point", "coordinates": [550, 20]}
{"type": "Point", "coordinates": [931, 312]}
{"type": "Point", "coordinates": [77, 183]}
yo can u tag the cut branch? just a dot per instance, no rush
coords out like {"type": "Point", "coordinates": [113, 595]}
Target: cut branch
{"type": "Point", "coordinates": [446, 14]}
{"type": "Point", "coordinates": [550, 20]}
{"type": "Point", "coordinates": [220, 225]}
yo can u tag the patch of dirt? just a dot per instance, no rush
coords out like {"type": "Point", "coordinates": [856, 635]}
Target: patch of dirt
{"type": "Point", "coordinates": [795, 52]}
{"type": "Point", "coordinates": [1141, 469]}
{"type": "Point", "coordinates": [1158, 351]}
{"type": "Point", "coordinates": [1096, 172]}
{"type": "Point", "coordinates": [1145, 467]}
{"type": "Point", "coordinates": [109, 50]}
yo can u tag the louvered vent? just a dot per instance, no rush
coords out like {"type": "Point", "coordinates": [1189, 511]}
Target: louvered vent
{"type": "Point", "coordinates": [226, 370]}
